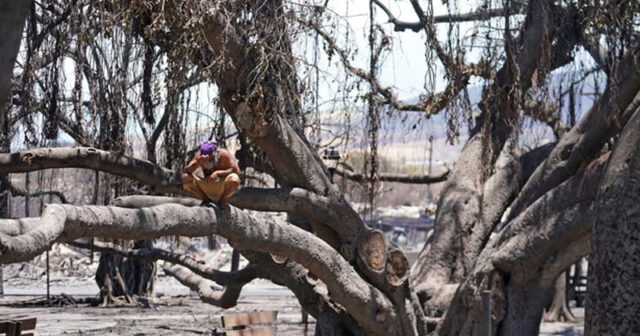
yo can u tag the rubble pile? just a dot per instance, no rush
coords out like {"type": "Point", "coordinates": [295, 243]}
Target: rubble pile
{"type": "Point", "coordinates": [64, 261]}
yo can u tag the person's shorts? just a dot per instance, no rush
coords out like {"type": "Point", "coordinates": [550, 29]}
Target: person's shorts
{"type": "Point", "coordinates": [213, 190]}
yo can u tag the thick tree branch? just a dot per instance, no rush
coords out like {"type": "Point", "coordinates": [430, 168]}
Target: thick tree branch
{"type": "Point", "coordinates": [551, 223]}
{"type": "Point", "coordinates": [198, 267]}
{"type": "Point", "coordinates": [585, 139]}
{"type": "Point", "coordinates": [388, 177]}
{"type": "Point", "coordinates": [147, 201]}
{"type": "Point", "coordinates": [225, 298]}
{"type": "Point", "coordinates": [158, 178]}
{"type": "Point", "coordinates": [64, 223]}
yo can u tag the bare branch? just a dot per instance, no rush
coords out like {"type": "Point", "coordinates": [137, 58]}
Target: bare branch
{"type": "Point", "coordinates": [400, 178]}
{"type": "Point", "coordinates": [479, 14]}
{"type": "Point", "coordinates": [160, 179]}
{"type": "Point", "coordinates": [226, 298]}
{"type": "Point", "coordinates": [548, 114]}
{"type": "Point", "coordinates": [431, 104]}
{"type": "Point", "coordinates": [64, 223]}
{"type": "Point", "coordinates": [21, 192]}
{"type": "Point", "coordinates": [585, 139]}
{"type": "Point", "coordinates": [147, 201]}
{"type": "Point", "coordinates": [198, 267]}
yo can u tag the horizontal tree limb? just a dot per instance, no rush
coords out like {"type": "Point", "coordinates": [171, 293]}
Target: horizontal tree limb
{"type": "Point", "coordinates": [296, 200]}
{"type": "Point", "coordinates": [65, 222]}
{"type": "Point", "coordinates": [147, 201]}
{"type": "Point", "coordinates": [158, 178]}
{"type": "Point", "coordinates": [479, 14]}
{"type": "Point", "coordinates": [223, 278]}
{"type": "Point", "coordinates": [290, 200]}
{"type": "Point", "coordinates": [388, 177]}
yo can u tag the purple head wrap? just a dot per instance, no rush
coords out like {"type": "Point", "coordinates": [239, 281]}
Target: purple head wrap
{"type": "Point", "coordinates": [208, 147]}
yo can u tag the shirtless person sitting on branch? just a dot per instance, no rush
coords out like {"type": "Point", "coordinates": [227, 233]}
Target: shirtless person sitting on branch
{"type": "Point", "coordinates": [212, 174]}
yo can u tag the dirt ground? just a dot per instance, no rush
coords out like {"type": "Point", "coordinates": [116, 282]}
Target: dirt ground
{"type": "Point", "coordinates": [182, 314]}
{"type": "Point", "coordinates": [175, 310]}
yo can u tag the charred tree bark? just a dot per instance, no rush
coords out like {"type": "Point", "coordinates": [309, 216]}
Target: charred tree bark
{"type": "Point", "coordinates": [521, 262]}
{"type": "Point", "coordinates": [125, 279]}
{"type": "Point", "coordinates": [487, 174]}
{"type": "Point", "coordinates": [12, 19]}
{"type": "Point", "coordinates": [266, 110]}
{"type": "Point", "coordinates": [614, 266]}
{"type": "Point", "coordinates": [4, 213]}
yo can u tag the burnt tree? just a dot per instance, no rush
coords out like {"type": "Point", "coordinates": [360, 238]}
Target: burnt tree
{"type": "Point", "coordinates": [509, 219]}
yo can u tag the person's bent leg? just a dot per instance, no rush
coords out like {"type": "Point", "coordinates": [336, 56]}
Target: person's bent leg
{"type": "Point", "coordinates": [231, 183]}
{"type": "Point", "coordinates": [193, 188]}
{"type": "Point", "coordinates": [229, 189]}
{"type": "Point", "coordinates": [187, 178]}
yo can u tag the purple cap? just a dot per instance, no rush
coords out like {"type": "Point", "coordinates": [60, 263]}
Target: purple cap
{"type": "Point", "coordinates": [208, 147]}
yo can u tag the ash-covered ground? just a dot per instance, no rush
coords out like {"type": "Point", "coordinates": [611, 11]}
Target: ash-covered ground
{"type": "Point", "coordinates": [174, 310]}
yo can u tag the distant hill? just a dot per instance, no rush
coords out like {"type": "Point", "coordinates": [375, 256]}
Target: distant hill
{"type": "Point", "coordinates": [404, 136]}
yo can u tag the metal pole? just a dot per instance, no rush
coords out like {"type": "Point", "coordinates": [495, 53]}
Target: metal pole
{"type": "Point", "coordinates": [486, 313]}
{"type": "Point", "coordinates": [1, 283]}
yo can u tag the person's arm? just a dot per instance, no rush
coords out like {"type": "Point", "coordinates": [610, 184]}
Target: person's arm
{"type": "Point", "coordinates": [227, 164]}
{"type": "Point", "coordinates": [192, 165]}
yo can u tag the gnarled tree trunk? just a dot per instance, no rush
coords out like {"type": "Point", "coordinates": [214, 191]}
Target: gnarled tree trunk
{"type": "Point", "coordinates": [125, 280]}
{"type": "Point", "coordinates": [614, 266]}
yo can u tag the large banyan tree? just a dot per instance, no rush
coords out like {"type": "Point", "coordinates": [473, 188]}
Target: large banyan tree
{"type": "Point", "coordinates": [510, 219]}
